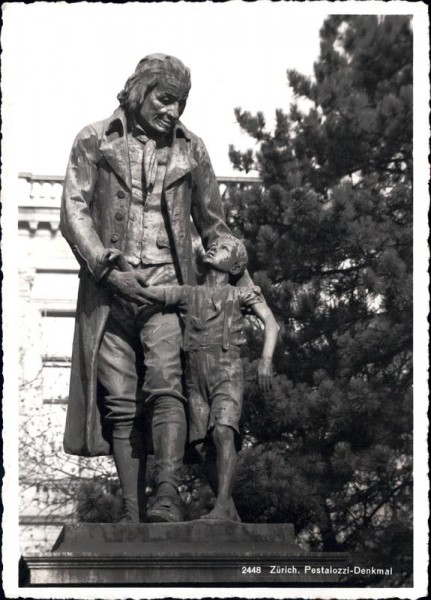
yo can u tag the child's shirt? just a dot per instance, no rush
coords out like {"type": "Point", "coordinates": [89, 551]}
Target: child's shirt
{"type": "Point", "coordinates": [212, 315]}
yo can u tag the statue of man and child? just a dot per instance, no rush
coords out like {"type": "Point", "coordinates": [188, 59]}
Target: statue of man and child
{"type": "Point", "coordinates": [153, 350]}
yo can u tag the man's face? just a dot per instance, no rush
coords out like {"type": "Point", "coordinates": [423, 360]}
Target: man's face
{"type": "Point", "coordinates": [221, 256]}
{"type": "Point", "coordinates": [162, 107]}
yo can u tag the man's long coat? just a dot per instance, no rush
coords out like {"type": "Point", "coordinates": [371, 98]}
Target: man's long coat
{"type": "Point", "coordinates": [94, 215]}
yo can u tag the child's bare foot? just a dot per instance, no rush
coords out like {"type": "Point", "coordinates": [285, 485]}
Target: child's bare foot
{"type": "Point", "coordinates": [222, 511]}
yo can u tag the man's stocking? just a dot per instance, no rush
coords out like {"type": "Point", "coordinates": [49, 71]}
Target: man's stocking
{"type": "Point", "coordinates": [169, 430]}
{"type": "Point", "coordinates": [130, 460]}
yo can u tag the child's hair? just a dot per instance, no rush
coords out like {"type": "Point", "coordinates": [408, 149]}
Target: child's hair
{"type": "Point", "coordinates": [241, 258]}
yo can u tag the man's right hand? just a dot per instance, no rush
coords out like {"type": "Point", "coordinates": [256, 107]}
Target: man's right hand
{"type": "Point", "coordinates": [128, 284]}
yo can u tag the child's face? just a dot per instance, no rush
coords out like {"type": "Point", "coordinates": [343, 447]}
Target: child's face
{"type": "Point", "coordinates": [221, 256]}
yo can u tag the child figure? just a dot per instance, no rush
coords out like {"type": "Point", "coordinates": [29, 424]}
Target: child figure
{"type": "Point", "coordinates": [213, 334]}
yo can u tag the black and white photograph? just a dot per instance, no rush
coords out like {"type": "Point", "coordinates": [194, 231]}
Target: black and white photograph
{"type": "Point", "coordinates": [215, 299]}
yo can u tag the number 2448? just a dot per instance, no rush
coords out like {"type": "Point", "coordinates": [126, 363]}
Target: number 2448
{"type": "Point", "coordinates": [245, 570]}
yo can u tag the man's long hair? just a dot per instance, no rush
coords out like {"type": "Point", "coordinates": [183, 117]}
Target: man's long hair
{"type": "Point", "coordinates": [151, 70]}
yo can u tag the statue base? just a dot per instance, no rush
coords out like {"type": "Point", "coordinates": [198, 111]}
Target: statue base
{"type": "Point", "coordinates": [180, 554]}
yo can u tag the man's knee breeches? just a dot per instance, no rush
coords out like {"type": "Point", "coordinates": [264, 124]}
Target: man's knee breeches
{"type": "Point", "coordinates": [139, 361]}
{"type": "Point", "coordinates": [161, 342]}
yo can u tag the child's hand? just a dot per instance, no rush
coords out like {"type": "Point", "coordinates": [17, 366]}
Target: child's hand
{"type": "Point", "coordinates": [264, 374]}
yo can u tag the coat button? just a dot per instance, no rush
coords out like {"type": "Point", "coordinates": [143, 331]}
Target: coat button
{"type": "Point", "coordinates": [121, 194]}
{"type": "Point", "coordinates": [115, 237]}
{"type": "Point", "coordinates": [119, 216]}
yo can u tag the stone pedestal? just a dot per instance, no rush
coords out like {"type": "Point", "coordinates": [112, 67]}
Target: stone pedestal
{"type": "Point", "coordinates": [172, 554]}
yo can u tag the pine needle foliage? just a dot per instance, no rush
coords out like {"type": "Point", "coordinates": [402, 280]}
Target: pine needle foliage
{"type": "Point", "coordinates": [329, 235]}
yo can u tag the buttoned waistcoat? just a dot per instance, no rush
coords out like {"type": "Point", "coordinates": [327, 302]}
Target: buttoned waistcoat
{"type": "Point", "coordinates": [94, 215]}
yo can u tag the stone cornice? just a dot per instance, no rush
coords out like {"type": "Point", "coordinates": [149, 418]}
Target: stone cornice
{"type": "Point", "coordinates": [40, 198]}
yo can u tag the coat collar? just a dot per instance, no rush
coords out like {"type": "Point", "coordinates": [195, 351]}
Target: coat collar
{"type": "Point", "coordinates": [114, 148]}
{"type": "Point", "coordinates": [181, 160]}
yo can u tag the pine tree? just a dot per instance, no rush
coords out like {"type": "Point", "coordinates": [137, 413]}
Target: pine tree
{"type": "Point", "coordinates": [329, 235]}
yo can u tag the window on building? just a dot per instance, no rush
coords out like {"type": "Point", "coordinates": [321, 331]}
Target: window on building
{"type": "Point", "coordinates": [57, 337]}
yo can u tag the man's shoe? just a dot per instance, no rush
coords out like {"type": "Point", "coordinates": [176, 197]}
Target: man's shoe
{"type": "Point", "coordinates": [166, 509]}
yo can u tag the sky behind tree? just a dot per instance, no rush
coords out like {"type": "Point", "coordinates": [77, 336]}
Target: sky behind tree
{"type": "Point", "coordinates": [65, 64]}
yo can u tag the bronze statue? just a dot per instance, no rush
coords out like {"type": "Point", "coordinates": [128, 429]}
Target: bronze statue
{"type": "Point", "coordinates": [213, 334]}
{"type": "Point", "coordinates": [132, 184]}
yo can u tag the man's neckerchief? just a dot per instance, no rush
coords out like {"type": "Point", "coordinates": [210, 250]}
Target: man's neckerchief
{"type": "Point", "coordinates": [150, 157]}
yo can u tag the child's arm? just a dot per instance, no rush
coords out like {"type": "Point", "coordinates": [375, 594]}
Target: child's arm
{"type": "Point", "coordinates": [164, 295]}
{"type": "Point", "coordinates": [264, 370]}
{"type": "Point", "coordinates": [173, 296]}
{"type": "Point", "coordinates": [155, 294]}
